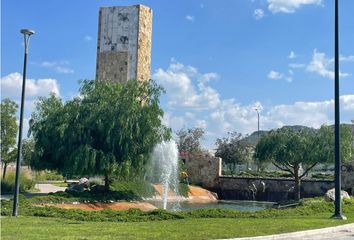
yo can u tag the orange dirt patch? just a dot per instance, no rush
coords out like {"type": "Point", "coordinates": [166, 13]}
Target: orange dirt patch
{"type": "Point", "coordinates": [195, 194]}
{"type": "Point", "coordinates": [201, 195]}
{"type": "Point", "coordinates": [144, 206]}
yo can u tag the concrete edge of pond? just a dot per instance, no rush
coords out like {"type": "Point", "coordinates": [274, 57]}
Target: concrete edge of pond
{"type": "Point", "coordinates": [346, 230]}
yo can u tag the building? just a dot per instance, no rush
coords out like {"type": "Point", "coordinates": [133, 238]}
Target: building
{"type": "Point", "coordinates": [124, 43]}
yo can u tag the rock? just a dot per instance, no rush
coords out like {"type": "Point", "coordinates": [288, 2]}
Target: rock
{"type": "Point", "coordinates": [330, 195]}
{"type": "Point", "coordinates": [75, 188]}
{"type": "Point", "coordinates": [83, 181]}
{"type": "Point", "coordinates": [98, 189]}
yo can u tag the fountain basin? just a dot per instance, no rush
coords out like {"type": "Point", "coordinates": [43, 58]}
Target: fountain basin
{"type": "Point", "coordinates": [251, 206]}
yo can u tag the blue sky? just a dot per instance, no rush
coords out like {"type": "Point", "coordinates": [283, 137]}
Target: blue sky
{"type": "Point", "coordinates": [218, 60]}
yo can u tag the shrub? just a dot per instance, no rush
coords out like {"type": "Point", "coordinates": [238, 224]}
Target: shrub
{"type": "Point", "coordinates": [183, 189]}
{"type": "Point", "coordinates": [47, 175]}
{"type": "Point", "coordinates": [137, 188]}
{"type": "Point", "coordinates": [95, 181]}
{"type": "Point", "coordinates": [8, 184]}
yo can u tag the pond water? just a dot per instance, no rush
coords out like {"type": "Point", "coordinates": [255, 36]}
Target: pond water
{"type": "Point", "coordinates": [233, 205]}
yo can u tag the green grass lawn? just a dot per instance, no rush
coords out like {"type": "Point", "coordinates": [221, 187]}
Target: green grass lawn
{"type": "Point", "coordinates": [211, 228]}
{"type": "Point", "coordinates": [60, 184]}
{"type": "Point", "coordinates": [54, 223]}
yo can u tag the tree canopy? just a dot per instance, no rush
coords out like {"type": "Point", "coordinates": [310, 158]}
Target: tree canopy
{"type": "Point", "coordinates": [289, 149]}
{"type": "Point", "coordinates": [9, 130]}
{"type": "Point", "coordinates": [189, 139]}
{"type": "Point", "coordinates": [233, 150]}
{"type": "Point", "coordinates": [110, 129]}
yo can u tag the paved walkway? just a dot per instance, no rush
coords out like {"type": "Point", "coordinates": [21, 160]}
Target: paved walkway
{"type": "Point", "coordinates": [44, 189]}
{"type": "Point", "coordinates": [47, 188]}
{"type": "Point", "coordinates": [343, 232]}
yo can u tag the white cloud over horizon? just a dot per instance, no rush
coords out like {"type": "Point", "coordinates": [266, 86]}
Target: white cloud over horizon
{"type": "Point", "coordinates": [289, 6]}
{"type": "Point", "coordinates": [190, 105]}
{"type": "Point", "coordinates": [11, 86]}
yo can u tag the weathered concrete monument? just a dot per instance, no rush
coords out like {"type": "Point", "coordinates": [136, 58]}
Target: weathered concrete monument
{"type": "Point", "coordinates": [124, 43]}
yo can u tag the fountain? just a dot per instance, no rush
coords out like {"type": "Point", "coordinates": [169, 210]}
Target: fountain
{"type": "Point", "coordinates": [165, 164]}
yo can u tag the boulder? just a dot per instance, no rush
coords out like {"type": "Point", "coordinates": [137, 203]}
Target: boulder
{"type": "Point", "coordinates": [75, 188]}
{"type": "Point", "coordinates": [83, 181]}
{"type": "Point", "coordinates": [330, 195]}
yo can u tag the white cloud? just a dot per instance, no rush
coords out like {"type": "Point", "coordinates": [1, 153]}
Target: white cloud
{"type": "Point", "coordinates": [297, 65]}
{"type": "Point", "coordinates": [275, 75]}
{"type": "Point", "coordinates": [258, 14]}
{"type": "Point", "coordinates": [292, 55]}
{"type": "Point", "coordinates": [59, 67]}
{"type": "Point", "coordinates": [323, 66]}
{"type": "Point", "coordinates": [346, 58]}
{"type": "Point", "coordinates": [88, 38]}
{"type": "Point", "coordinates": [289, 6]}
{"type": "Point", "coordinates": [11, 86]}
{"type": "Point", "coordinates": [190, 18]}
{"type": "Point", "coordinates": [191, 105]}
{"type": "Point", "coordinates": [187, 87]}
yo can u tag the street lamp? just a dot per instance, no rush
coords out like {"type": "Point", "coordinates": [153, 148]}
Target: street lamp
{"type": "Point", "coordinates": [337, 166]}
{"type": "Point", "coordinates": [257, 110]}
{"type": "Point", "coordinates": [26, 35]}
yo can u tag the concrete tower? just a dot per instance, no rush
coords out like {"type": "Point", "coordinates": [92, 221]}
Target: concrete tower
{"type": "Point", "coordinates": [124, 43]}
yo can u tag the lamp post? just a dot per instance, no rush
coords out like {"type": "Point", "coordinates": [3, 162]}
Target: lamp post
{"type": "Point", "coordinates": [337, 168]}
{"type": "Point", "coordinates": [258, 122]}
{"type": "Point", "coordinates": [26, 35]}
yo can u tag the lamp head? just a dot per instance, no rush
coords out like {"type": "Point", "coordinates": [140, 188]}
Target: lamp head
{"type": "Point", "coordinates": [28, 32]}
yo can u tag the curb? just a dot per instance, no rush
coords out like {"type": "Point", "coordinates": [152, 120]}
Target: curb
{"type": "Point", "coordinates": [299, 235]}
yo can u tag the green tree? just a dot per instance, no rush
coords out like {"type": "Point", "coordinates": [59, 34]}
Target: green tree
{"type": "Point", "coordinates": [109, 130]}
{"type": "Point", "coordinates": [9, 130]}
{"type": "Point", "coordinates": [189, 139]}
{"type": "Point", "coordinates": [27, 151]}
{"type": "Point", "coordinates": [233, 150]}
{"type": "Point", "coordinates": [289, 150]}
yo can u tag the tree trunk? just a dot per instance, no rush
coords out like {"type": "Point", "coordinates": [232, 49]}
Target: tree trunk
{"type": "Point", "coordinates": [297, 182]}
{"type": "Point", "coordinates": [4, 171]}
{"type": "Point", "coordinates": [106, 182]}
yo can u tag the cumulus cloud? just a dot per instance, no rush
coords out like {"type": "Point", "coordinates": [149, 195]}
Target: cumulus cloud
{"type": "Point", "coordinates": [289, 6]}
{"type": "Point", "coordinates": [187, 87]}
{"type": "Point", "coordinates": [189, 18]}
{"type": "Point", "coordinates": [258, 14]}
{"type": "Point", "coordinates": [191, 105]}
{"type": "Point", "coordinates": [323, 66]}
{"type": "Point", "coordinates": [11, 86]}
{"type": "Point", "coordinates": [59, 67]}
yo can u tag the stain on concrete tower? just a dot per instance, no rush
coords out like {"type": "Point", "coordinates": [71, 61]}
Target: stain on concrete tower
{"type": "Point", "coordinates": [124, 43]}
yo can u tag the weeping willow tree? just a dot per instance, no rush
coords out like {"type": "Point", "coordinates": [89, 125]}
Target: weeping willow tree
{"type": "Point", "coordinates": [109, 130]}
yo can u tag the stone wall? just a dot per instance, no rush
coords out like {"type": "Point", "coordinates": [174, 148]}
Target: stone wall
{"type": "Point", "coordinates": [348, 177]}
{"type": "Point", "coordinates": [203, 169]}
{"type": "Point", "coordinates": [268, 189]}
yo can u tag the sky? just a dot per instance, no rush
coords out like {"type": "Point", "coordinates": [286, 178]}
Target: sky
{"type": "Point", "coordinates": [217, 60]}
